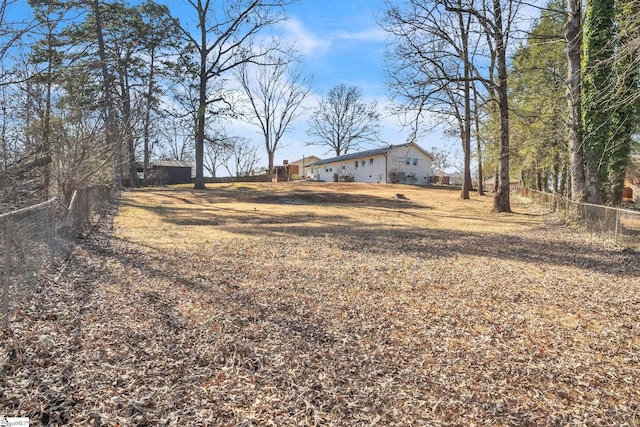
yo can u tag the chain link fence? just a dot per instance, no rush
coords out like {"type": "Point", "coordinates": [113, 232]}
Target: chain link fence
{"type": "Point", "coordinates": [33, 238]}
{"type": "Point", "coordinates": [620, 225]}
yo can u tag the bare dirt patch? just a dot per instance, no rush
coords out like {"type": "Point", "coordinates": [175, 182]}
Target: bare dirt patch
{"type": "Point", "coordinates": [329, 304]}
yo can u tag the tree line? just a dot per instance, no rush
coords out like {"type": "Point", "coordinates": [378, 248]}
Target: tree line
{"type": "Point", "coordinates": [92, 89]}
{"type": "Point", "coordinates": [554, 104]}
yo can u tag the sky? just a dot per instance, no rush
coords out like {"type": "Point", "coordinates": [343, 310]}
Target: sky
{"type": "Point", "coordinates": [340, 41]}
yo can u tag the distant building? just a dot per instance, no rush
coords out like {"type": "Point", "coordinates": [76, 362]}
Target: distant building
{"type": "Point", "coordinates": [167, 172]}
{"type": "Point", "coordinates": [405, 163]}
{"type": "Point", "coordinates": [286, 172]}
{"type": "Point", "coordinates": [631, 191]}
{"type": "Point", "coordinates": [261, 170]}
{"type": "Point", "coordinates": [302, 164]}
{"type": "Point", "coordinates": [440, 177]}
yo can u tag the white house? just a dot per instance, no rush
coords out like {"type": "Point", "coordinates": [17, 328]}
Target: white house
{"type": "Point", "coordinates": [303, 163]}
{"type": "Point", "coordinates": [406, 163]}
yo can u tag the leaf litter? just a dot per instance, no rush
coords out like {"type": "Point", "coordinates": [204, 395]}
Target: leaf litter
{"type": "Point", "coordinates": [229, 308]}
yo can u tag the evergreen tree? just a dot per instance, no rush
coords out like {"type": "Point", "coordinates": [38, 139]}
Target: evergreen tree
{"type": "Point", "coordinates": [626, 97]}
{"type": "Point", "coordinates": [610, 95]}
{"type": "Point", "coordinates": [538, 86]}
{"type": "Point", "coordinates": [598, 50]}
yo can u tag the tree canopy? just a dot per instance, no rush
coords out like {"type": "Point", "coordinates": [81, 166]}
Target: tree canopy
{"type": "Point", "coordinates": [100, 88]}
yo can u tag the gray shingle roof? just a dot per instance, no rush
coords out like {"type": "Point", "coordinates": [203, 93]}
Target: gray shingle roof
{"type": "Point", "coordinates": [351, 156]}
{"type": "Point", "coordinates": [171, 163]}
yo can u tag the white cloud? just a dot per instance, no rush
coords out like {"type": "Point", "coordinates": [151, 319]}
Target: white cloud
{"type": "Point", "coordinates": [374, 34]}
{"type": "Point", "coordinates": [310, 44]}
{"type": "Point", "coordinates": [302, 39]}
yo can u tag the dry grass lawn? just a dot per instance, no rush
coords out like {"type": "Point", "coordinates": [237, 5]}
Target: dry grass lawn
{"type": "Point", "coordinates": [330, 304]}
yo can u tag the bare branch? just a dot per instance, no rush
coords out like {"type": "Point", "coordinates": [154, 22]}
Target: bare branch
{"type": "Point", "coordinates": [343, 121]}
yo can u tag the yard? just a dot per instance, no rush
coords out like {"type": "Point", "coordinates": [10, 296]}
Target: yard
{"type": "Point", "coordinates": [329, 304]}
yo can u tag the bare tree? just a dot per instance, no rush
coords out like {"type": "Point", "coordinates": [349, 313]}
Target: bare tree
{"type": "Point", "coordinates": [343, 120]}
{"type": "Point", "coordinates": [10, 32]}
{"type": "Point", "coordinates": [441, 161]}
{"type": "Point", "coordinates": [219, 149]}
{"type": "Point", "coordinates": [111, 133]}
{"type": "Point", "coordinates": [223, 41]}
{"type": "Point", "coordinates": [496, 19]}
{"type": "Point", "coordinates": [175, 140]}
{"type": "Point", "coordinates": [476, 115]}
{"type": "Point", "coordinates": [430, 66]}
{"type": "Point", "coordinates": [160, 36]}
{"type": "Point", "coordinates": [243, 159]}
{"type": "Point", "coordinates": [496, 25]}
{"type": "Point", "coordinates": [274, 93]}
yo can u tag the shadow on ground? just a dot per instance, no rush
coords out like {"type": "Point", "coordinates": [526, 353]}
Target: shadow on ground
{"type": "Point", "coordinates": [259, 216]}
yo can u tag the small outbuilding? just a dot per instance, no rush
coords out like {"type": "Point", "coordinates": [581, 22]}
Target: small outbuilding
{"type": "Point", "coordinates": [631, 191]}
{"type": "Point", "coordinates": [167, 172]}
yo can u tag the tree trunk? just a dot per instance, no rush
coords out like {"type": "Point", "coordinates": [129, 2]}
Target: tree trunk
{"type": "Point", "coordinates": [597, 87]}
{"type": "Point", "coordinates": [556, 175]}
{"type": "Point", "coordinates": [46, 141]}
{"type": "Point", "coordinates": [128, 127]}
{"type": "Point", "coordinates": [270, 155]}
{"type": "Point", "coordinates": [573, 33]}
{"type": "Point", "coordinates": [199, 180]}
{"type": "Point", "coordinates": [627, 106]}
{"type": "Point", "coordinates": [110, 133]}
{"type": "Point", "coordinates": [202, 104]}
{"type": "Point", "coordinates": [22, 168]}
{"type": "Point", "coordinates": [478, 142]}
{"type": "Point", "coordinates": [147, 118]}
{"type": "Point", "coordinates": [501, 202]}
{"type": "Point", "coordinates": [466, 177]}
{"type": "Point", "coordinates": [564, 190]}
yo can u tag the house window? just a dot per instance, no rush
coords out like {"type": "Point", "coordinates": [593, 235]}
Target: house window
{"type": "Point", "coordinates": [327, 169]}
{"type": "Point", "coordinates": [415, 162]}
{"type": "Point", "coordinates": [344, 166]}
{"type": "Point", "coordinates": [407, 161]}
{"type": "Point", "coordinates": [370, 161]}
{"type": "Point", "coordinates": [356, 163]}
{"type": "Point", "coordinates": [364, 163]}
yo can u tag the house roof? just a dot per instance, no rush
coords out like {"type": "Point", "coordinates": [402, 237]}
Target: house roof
{"type": "Point", "coordinates": [306, 159]}
{"type": "Point", "coordinates": [368, 153]}
{"type": "Point", "coordinates": [171, 163]}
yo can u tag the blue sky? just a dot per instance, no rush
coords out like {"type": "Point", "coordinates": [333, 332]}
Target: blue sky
{"type": "Point", "coordinates": [340, 42]}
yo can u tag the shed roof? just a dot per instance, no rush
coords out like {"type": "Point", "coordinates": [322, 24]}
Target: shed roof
{"type": "Point", "coordinates": [171, 163]}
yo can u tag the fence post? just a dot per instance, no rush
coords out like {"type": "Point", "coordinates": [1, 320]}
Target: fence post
{"type": "Point", "coordinates": [6, 276]}
{"type": "Point", "coordinates": [615, 236]}
{"type": "Point", "coordinates": [586, 220]}
{"type": "Point", "coordinates": [52, 237]}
